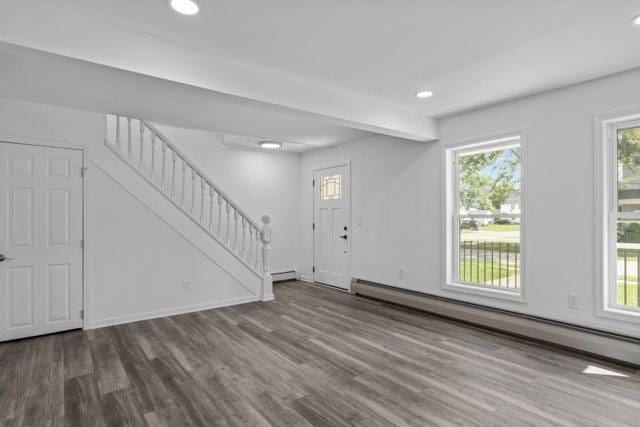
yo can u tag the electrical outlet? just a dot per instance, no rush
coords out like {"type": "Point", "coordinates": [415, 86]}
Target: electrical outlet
{"type": "Point", "coordinates": [401, 273]}
{"type": "Point", "coordinates": [574, 301]}
{"type": "Point", "coordinates": [186, 286]}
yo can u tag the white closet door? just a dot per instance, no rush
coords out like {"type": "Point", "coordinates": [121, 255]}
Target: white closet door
{"type": "Point", "coordinates": [40, 240]}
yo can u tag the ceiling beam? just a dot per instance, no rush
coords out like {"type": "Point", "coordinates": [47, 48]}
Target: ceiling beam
{"type": "Point", "coordinates": [65, 32]}
{"type": "Point", "coordinates": [41, 77]}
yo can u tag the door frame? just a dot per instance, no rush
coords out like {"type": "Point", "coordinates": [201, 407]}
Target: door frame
{"type": "Point", "coordinates": [346, 163]}
{"type": "Point", "coordinates": [86, 153]}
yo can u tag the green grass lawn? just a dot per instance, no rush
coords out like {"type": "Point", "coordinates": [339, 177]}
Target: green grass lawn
{"type": "Point", "coordinates": [500, 227]}
{"type": "Point", "coordinates": [632, 293]}
{"type": "Point", "coordinates": [474, 272]}
{"type": "Point", "coordinates": [471, 246]}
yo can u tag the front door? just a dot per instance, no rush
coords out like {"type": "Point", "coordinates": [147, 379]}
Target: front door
{"type": "Point", "coordinates": [40, 240]}
{"type": "Point", "coordinates": [331, 226]}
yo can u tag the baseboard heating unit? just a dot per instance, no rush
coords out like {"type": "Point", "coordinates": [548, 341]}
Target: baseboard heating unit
{"type": "Point", "coordinates": [592, 341]}
{"type": "Point", "coordinates": [283, 276]}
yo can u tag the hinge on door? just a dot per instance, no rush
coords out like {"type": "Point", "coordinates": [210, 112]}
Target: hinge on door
{"type": "Point", "coordinates": [313, 183]}
{"type": "Point", "coordinates": [83, 172]}
{"type": "Point", "coordinates": [313, 269]}
{"type": "Point", "coordinates": [313, 226]}
{"type": "Point", "coordinates": [81, 243]}
{"type": "Point", "coordinates": [81, 314]}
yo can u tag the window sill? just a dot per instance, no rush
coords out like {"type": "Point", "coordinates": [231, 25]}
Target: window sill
{"type": "Point", "coordinates": [486, 292]}
{"type": "Point", "coordinates": [619, 314]}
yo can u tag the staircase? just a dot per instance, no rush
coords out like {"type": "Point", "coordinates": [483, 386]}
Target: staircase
{"type": "Point", "coordinates": [158, 161]}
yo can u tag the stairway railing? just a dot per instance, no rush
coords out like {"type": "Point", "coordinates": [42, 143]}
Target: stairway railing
{"type": "Point", "coordinates": [164, 166]}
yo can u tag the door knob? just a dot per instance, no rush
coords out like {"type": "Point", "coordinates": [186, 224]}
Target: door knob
{"type": "Point", "coordinates": [4, 258]}
{"type": "Point", "coordinates": [343, 237]}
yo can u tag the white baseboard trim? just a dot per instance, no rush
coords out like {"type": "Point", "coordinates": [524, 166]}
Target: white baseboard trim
{"type": "Point", "coordinates": [599, 343]}
{"type": "Point", "coordinates": [306, 279]}
{"type": "Point", "coordinates": [169, 312]}
{"type": "Point", "coordinates": [269, 297]}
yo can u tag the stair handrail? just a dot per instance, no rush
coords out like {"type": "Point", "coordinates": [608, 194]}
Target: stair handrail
{"type": "Point", "coordinates": [200, 172]}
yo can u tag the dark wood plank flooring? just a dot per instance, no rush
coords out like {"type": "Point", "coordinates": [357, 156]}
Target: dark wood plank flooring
{"type": "Point", "coordinates": [315, 356]}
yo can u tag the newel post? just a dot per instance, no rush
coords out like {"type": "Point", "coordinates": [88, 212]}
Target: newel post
{"type": "Point", "coordinates": [266, 236]}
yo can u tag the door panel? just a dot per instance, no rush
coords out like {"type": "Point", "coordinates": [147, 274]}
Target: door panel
{"type": "Point", "coordinates": [20, 165]}
{"type": "Point", "coordinates": [339, 253]}
{"type": "Point", "coordinates": [41, 235]}
{"type": "Point", "coordinates": [59, 220]}
{"type": "Point", "coordinates": [58, 168]}
{"type": "Point", "coordinates": [331, 225]}
{"type": "Point", "coordinates": [20, 300]}
{"type": "Point", "coordinates": [58, 280]}
{"type": "Point", "coordinates": [20, 216]}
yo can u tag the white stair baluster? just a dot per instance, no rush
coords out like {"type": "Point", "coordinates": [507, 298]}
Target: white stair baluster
{"type": "Point", "coordinates": [226, 236]}
{"type": "Point", "coordinates": [174, 163]}
{"type": "Point", "coordinates": [164, 167]}
{"type": "Point", "coordinates": [235, 230]}
{"type": "Point", "coordinates": [118, 140]}
{"type": "Point", "coordinates": [250, 243]}
{"type": "Point", "coordinates": [201, 200]}
{"type": "Point", "coordinates": [244, 237]}
{"type": "Point", "coordinates": [193, 190]}
{"type": "Point", "coordinates": [129, 141]}
{"type": "Point", "coordinates": [258, 265]}
{"type": "Point", "coordinates": [141, 144]}
{"type": "Point", "coordinates": [153, 155]}
{"type": "Point", "coordinates": [184, 180]}
{"type": "Point", "coordinates": [258, 243]}
{"type": "Point", "coordinates": [266, 236]}
{"type": "Point", "coordinates": [211, 194]}
{"type": "Point", "coordinates": [219, 215]}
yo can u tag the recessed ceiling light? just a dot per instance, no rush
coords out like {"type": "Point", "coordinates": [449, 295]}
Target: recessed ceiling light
{"type": "Point", "coordinates": [636, 20]}
{"type": "Point", "coordinates": [185, 7]}
{"type": "Point", "coordinates": [424, 94]}
{"type": "Point", "coordinates": [272, 145]}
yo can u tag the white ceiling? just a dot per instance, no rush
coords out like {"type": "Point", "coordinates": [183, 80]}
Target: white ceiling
{"type": "Point", "coordinates": [356, 63]}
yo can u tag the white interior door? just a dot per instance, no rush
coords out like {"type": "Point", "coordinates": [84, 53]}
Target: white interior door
{"type": "Point", "coordinates": [332, 226]}
{"type": "Point", "coordinates": [40, 240]}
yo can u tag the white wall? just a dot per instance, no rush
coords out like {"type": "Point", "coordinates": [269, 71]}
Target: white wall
{"type": "Point", "coordinates": [137, 260]}
{"type": "Point", "coordinates": [398, 193]}
{"type": "Point", "coordinates": [391, 179]}
{"type": "Point", "coordinates": [140, 263]}
{"type": "Point", "coordinates": [260, 182]}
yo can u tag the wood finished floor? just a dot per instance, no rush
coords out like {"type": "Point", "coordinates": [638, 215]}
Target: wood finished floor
{"type": "Point", "coordinates": [314, 356]}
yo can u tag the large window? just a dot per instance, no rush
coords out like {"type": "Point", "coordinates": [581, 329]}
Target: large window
{"type": "Point", "coordinates": [621, 289]}
{"type": "Point", "coordinates": [484, 217]}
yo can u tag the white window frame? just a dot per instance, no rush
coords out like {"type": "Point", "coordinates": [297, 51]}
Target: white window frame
{"type": "Point", "coordinates": [451, 216]}
{"type": "Point", "coordinates": [607, 216]}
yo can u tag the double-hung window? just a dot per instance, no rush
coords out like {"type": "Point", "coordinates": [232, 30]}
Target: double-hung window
{"type": "Point", "coordinates": [622, 224]}
{"type": "Point", "coordinates": [484, 217]}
